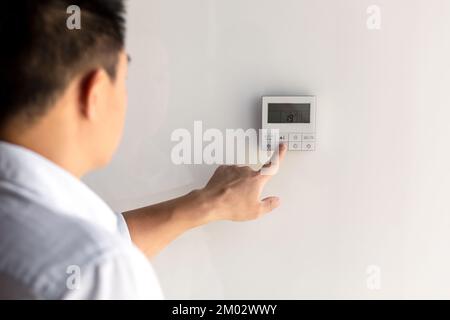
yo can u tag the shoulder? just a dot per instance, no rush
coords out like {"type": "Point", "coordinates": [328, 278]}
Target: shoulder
{"type": "Point", "coordinates": [45, 251]}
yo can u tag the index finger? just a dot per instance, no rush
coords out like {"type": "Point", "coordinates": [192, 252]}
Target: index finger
{"type": "Point", "coordinates": [271, 167]}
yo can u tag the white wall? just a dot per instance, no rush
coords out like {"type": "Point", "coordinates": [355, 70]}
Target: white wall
{"type": "Point", "coordinates": [376, 191]}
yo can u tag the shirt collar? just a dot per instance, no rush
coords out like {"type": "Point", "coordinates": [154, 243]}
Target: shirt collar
{"type": "Point", "coordinates": [53, 186]}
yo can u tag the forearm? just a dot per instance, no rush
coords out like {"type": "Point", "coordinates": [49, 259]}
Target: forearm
{"type": "Point", "coordinates": [152, 228]}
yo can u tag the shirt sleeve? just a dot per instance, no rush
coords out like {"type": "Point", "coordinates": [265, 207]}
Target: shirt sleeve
{"type": "Point", "coordinates": [123, 227]}
{"type": "Point", "coordinates": [123, 274]}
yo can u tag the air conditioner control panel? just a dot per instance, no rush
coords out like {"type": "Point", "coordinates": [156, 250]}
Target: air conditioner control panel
{"type": "Point", "coordinates": [289, 119]}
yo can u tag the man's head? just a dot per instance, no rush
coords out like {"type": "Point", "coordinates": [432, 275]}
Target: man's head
{"type": "Point", "coordinates": [63, 89]}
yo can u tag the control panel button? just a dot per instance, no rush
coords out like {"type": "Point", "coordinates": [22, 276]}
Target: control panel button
{"type": "Point", "coordinates": [284, 137]}
{"type": "Point", "coordinates": [294, 145]}
{"type": "Point", "coordinates": [308, 137]}
{"type": "Point", "coordinates": [308, 146]}
{"type": "Point", "coordinates": [295, 137]}
{"type": "Point", "coordinates": [269, 135]}
{"type": "Point", "coordinates": [269, 142]}
{"type": "Point", "coordinates": [269, 145]}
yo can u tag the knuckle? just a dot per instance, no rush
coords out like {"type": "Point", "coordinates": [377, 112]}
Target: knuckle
{"type": "Point", "coordinates": [225, 190]}
{"type": "Point", "coordinates": [230, 167]}
{"type": "Point", "coordinates": [249, 170]}
{"type": "Point", "coordinates": [256, 173]}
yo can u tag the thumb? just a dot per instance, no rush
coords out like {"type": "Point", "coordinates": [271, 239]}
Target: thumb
{"type": "Point", "coordinates": [268, 204]}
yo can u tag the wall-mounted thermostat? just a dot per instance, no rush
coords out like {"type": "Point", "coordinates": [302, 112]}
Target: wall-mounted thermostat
{"type": "Point", "coordinates": [293, 117]}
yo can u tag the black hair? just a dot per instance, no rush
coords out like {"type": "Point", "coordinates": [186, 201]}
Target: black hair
{"type": "Point", "coordinates": [40, 54]}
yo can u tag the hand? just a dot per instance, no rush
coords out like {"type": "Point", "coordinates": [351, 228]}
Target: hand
{"type": "Point", "coordinates": [232, 193]}
{"type": "Point", "coordinates": [235, 192]}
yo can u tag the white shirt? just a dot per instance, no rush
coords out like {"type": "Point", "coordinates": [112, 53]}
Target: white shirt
{"type": "Point", "coordinates": [59, 240]}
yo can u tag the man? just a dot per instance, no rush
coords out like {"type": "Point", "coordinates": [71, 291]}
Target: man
{"type": "Point", "coordinates": [62, 108]}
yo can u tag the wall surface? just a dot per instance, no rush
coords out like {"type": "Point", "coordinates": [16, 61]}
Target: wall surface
{"type": "Point", "coordinates": [367, 215]}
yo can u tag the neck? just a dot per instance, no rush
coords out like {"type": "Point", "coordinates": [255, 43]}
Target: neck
{"type": "Point", "coordinates": [49, 139]}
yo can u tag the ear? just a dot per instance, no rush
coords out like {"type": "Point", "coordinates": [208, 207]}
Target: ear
{"type": "Point", "coordinates": [92, 93]}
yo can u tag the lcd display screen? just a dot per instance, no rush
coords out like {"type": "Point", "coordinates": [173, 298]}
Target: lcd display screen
{"type": "Point", "coordinates": [289, 113]}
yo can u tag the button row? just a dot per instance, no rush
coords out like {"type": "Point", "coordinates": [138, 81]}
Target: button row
{"type": "Point", "coordinates": [283, 137]}
{"type": "Point", "coordinates": [296, 141]}
{"type": "Point", "coordinates": [302, 146]}
{"type": "Point", "coordinates": [293, 146]}
{"type": "Point", "coordinates": [302, 137]}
